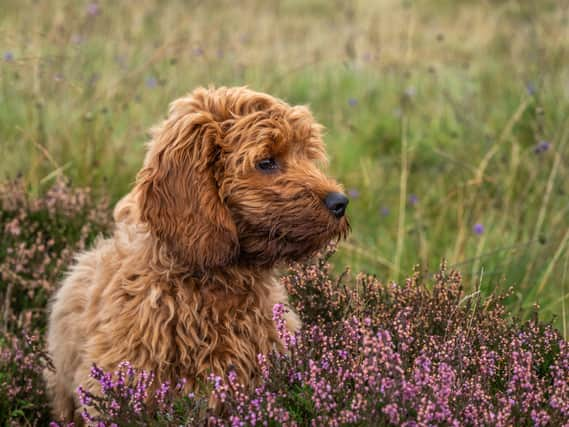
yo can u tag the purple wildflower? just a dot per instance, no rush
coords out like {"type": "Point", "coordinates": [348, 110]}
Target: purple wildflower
{"type": "Point", "coordinates": [151, 82]}
{"type": "Point", "coordinates": [531, 88]}
{"type": "Point", "coordinates": [352, 102]}
{"type": "Point", "coordinates": [8, 56]}
{"type": "Point", "coordinates": [478, 228]}
{"type": "Point", "coordinates": [413, 199]}
{"type": "Point", "coordinates": [353, 193]}
{"type": "Point", "coordinates": [541, 147]}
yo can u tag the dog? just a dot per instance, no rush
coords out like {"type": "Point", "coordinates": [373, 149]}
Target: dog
{"type": "Point", "coordinates": [231, 187]}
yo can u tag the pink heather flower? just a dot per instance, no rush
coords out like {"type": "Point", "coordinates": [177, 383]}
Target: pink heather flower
{"type": "Point", "coordinates": [288, 339]}
{"type": "Point", "coordinates": [84, 396]}
{"type": "Point", "coordinates": [13, 227]}
{"type": "Point", "coordinates": [93, 9]}
{"type": "Point", "coordinates": [540, 418]}
{"type": "Point", "coordinates": [392, 411]}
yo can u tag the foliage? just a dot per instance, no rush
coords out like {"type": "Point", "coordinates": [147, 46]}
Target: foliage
{"type": "Point", "coordinates": [369, 353]}
{"type": "Point", "coordinates": [446, 120]}
{"type": "Point", "coordinates": [373, 354]}
{"type": "Point", "coordinates": [40, 237]}
{"type": "Point", "coordinates": [23, 399]}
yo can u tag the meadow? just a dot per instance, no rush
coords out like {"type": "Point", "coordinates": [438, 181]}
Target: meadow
{"type": "Point", "coordinates": [447, 121]}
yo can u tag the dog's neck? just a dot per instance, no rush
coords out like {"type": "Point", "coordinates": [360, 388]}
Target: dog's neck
{"type": "Point", "coordinates": [235, 278]}
{"type": "Point", "coordinates": [148, 253]}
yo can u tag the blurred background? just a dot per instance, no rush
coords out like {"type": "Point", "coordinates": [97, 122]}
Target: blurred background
{"type": "Point", "coordinates": [447, 120]}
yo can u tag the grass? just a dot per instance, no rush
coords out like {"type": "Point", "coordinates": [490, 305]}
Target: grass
{"type": "Point", "coordinates": [447, 121]}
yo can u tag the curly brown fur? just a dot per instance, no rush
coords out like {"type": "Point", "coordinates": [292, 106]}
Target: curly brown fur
{"type": "Point", "coordinates": [187, 283]}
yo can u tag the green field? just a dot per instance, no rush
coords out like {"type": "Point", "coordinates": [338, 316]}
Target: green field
{"type": "Point", "coordinates": [447, 121]}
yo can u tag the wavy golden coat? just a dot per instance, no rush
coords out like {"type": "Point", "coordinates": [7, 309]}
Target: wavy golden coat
{"type": "Point", "coordinates": [230, 187]}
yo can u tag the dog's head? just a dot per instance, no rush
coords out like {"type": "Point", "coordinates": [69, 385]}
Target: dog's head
{"type": "Point", "coordinates": [233, 176]}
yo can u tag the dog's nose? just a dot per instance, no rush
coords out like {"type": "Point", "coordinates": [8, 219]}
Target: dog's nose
{"type": "Point", "coordinates": [336, 203]}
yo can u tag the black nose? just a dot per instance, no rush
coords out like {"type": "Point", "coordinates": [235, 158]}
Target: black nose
{"type": "Point", "coordinates": [336, 203]}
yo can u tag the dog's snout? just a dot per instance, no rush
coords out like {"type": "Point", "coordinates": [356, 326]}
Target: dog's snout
{"type": "Point", "coordinates": [336, 203]}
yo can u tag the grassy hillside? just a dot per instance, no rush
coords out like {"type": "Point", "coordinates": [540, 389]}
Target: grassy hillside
{"type": "Point", "coordinates": [447, 121]}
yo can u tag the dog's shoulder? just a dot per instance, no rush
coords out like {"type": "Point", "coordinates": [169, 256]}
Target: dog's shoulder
{"type": "Point", "coordinates": [126, 210]}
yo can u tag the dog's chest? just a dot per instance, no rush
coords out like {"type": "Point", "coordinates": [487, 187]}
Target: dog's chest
{"type": "Point", "coordinates": [211, 330]}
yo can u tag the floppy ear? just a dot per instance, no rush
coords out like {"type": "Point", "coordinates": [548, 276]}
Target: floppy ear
{"type": "Point", "coordinates": [177, 192]}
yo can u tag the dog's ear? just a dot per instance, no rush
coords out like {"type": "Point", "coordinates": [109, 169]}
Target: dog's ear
{"type": "Point", "coordinates": [177, 192]}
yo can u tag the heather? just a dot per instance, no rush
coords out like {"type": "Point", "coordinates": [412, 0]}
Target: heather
{"type": "Point", "coordinates": [40, 235]}
{"type": "Point", "coordinates": [423, 351]}
{"type": "Point", "coordinates": [418, 353]}
{"type": "Point", "coordinates": [39, 238]}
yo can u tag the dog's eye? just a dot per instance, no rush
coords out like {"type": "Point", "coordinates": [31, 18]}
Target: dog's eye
{"type": "Point", "coordinates": [267, 165]}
